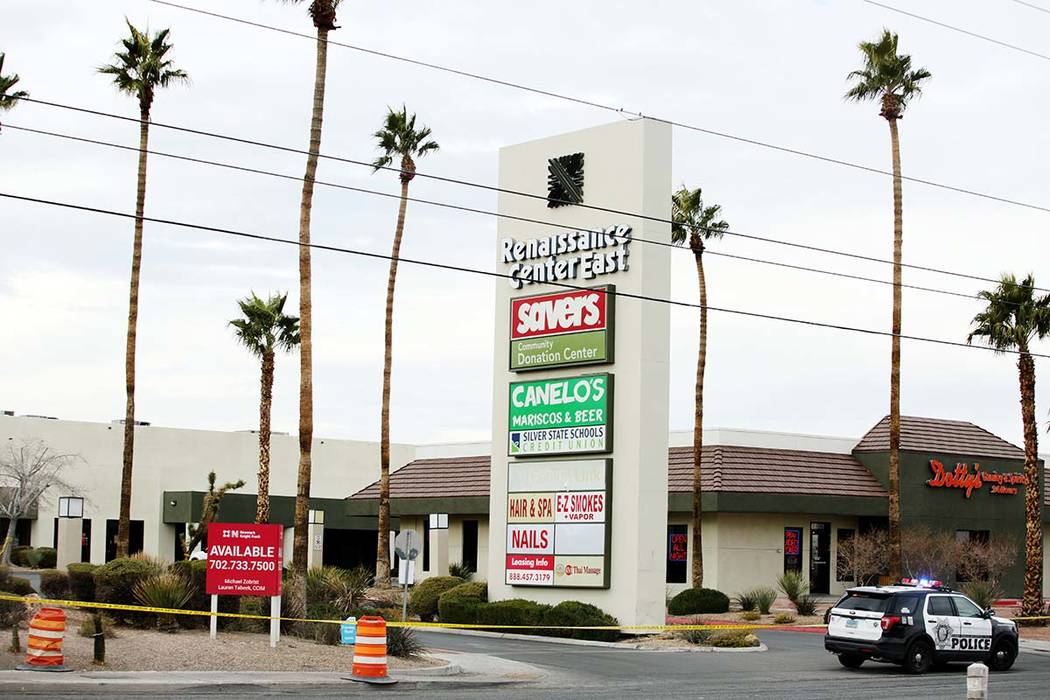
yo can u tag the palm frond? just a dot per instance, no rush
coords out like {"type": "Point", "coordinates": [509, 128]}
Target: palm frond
{"type": "Point", "coordinates": [143, 67]}
{"type": "Point", "coordinates": [1013, 317]}
{"type": "Point", "coordinates": [886, 73]}
{"type": "Point", "coordinates": [690, 217]}
{"type": "Point", "coordinates": [399, 138]}
{"type": "Point", "coordinates": [265, 327]}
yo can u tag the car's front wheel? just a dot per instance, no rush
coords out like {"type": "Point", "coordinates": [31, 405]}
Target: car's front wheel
{"type": "Point", "coordinates": [919, 657]}
{"type": "Point", "coordinates": [1004, 653]}
{"type": "Point", "coordinates": [851, 660]}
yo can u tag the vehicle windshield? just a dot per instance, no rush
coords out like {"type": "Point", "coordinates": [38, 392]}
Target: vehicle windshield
{"type": "Point", "coordinates": [869, 602]}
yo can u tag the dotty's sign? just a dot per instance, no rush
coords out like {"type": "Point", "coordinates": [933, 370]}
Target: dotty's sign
{"type": "Point", "coordinates": [244, 559]}
{"type": "Point", "coordinates": [562, 329]}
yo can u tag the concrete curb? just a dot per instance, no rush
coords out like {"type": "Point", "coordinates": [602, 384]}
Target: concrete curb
{"type": "Point", "coordinates": [1034, 645]}
{"type": "Point", "coordinates": [624, 646]}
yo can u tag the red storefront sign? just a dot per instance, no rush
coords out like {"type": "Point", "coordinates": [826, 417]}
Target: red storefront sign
{"type": "Point", "coordinates": [244, 559]}
{"type": "Point", "coordinates": [555, 314]}
{"type": "Point", "coordinates": [679, 547]}
{"type": "Point", "coordinates": [1003, 483]}
{"type": "Point", "coordinates": [792, 542]}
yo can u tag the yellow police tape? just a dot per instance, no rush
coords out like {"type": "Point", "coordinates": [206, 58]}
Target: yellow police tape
{"type": "Point", "coordinates": [34, 600]}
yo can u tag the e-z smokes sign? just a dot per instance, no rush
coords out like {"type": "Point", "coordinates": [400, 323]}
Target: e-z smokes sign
{"type": "Point", "coordinates": [560, 416]}
{"type": "Point", "coordinates": [562, 329]}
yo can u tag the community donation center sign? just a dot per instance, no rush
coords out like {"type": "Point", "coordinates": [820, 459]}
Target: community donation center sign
{"type": "Point", "coordinates": [557, 523]}
{"type": "Point", "coordinates": [560, 416]}
{"type": "Point", "coordinates": [561, 329]}
{"type": "Point", "coordinates": [244, 559]}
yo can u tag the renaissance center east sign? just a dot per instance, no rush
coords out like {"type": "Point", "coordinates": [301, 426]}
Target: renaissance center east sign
{"type": "Point", "coordinates": [560, 416]}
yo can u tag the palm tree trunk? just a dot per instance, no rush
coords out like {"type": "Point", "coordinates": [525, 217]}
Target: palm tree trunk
{"type": "Point", "coordinates": [895, 362]}
{"type": "Point", "coordinates": [1032, 602]}
{"type": "Point", "coordinates": [306, 350]}
{"type": "Point", "coordinates": [698, 426]}
{"type": "Point", "coordinates": [262, 498]}
{"type": "Point", "coordinates": [124, 522]}
{"type": "Point", "coordinates": [383, 544]}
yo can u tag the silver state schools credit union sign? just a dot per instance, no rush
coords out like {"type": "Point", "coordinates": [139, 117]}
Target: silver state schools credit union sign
{"type": "Point", "coordinates": [571, 415]}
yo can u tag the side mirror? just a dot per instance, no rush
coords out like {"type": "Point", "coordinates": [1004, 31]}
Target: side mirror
{"type": "Point", "coordinates": [989, 613]}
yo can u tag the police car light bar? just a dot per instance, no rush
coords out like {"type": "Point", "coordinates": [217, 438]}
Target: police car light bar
{"type": "Point", "coordinates": [921, 582]}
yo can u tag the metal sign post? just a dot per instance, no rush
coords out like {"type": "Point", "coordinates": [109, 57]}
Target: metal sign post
{"type": "Point", "coordinates": [406, 547]}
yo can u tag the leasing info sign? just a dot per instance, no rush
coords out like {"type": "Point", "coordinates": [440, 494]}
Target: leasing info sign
{"type": "Point", "coordinates": [560, 416]}
{"type": "Point", "coordinates": [561, 329]}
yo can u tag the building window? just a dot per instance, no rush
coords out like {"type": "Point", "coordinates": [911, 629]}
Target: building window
{"type": "Point", "coordinates": [470, 544]}
{"type": "Point", "coordinates": [135, 538]}
{"type": "Point", "coordinates": [844, 545]}
{"type": "Point", "coordinates": [971, 538]}
{"type": "Point", "coordinates": [677, 553]}
{"type": "Point", "coordinates": [426, 543]}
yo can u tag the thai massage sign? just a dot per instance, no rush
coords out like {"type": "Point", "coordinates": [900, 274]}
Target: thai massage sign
{"type": "Point", "coordinates": [1002, 483]}
{"type": "Point", "coordinates": [557, 515]}
{"type": "Point", "coordinates": [561, 329]}
{"type": "Point", "coordinates": [560, 416]}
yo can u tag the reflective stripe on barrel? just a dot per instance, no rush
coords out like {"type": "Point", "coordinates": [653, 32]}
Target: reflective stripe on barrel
{"type": "Point", "coordinates": [46, 631]}
{"type": "Point", "coordinates": [370, 648]}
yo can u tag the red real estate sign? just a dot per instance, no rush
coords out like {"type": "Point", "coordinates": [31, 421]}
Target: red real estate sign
{"type": "Point", "coordinates": [244, 559]}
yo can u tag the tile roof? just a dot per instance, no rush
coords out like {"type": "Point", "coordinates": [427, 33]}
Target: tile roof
{"type": "Point", "coordinates": [938, 435]}
{"type": "Point", "coordinates": [725, 468]}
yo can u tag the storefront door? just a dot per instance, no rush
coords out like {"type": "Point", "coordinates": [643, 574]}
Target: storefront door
{"type": "Point", "coordinates": [820, 558]}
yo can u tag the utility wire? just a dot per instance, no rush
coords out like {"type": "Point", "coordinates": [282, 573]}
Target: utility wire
{"type": "Point", "coordinates": [502, 275]}
{"type": "Point", "coordinates": [474, 210]}
{"type": "Point", "coordinates": [960, 30]}
{"type": "Point", "coordinates": [1032, 5]}
{"type": "Point", "coordinates": [493, 188]}
{"type": "Point", "coordinates": [610, 108]}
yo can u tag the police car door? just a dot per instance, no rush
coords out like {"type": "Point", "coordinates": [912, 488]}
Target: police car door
{"type": "Point", "coordinates": [941, 624]}
{"type": "Point", "coordinates": [975, 630]}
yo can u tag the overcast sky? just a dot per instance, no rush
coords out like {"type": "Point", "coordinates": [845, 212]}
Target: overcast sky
{"type": "Point", "coordinates": [772, 70]}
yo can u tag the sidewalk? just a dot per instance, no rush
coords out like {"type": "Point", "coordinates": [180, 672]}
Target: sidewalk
{"type": "Point", "coordinates": [1034, 645]}
{"type": "Point", "coordinates": [464, 669]}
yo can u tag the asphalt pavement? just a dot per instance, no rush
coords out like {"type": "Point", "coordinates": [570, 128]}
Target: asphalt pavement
{"type": "Point", "coordinates": [795, 666]}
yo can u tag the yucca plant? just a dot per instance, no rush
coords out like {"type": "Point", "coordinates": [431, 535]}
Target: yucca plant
{"type": "Point", "coordinates": [403, 643]}
{"type": "Point", "coordinates": [460, 570]}
{"type": "Point", "coordinates": [165, 591]}
{"type": "Point", "coordinates": [984, 593]}
{"type": "Point", "coordinates": [793, 585]}
{"type": "Point", "coordinates": [764, 598]}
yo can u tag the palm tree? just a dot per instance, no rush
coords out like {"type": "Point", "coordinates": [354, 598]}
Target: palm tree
{"type": "Point", "coordinates": [888, 77]}
{"type": "Point", "coordinates": [264, 330]}
{"type": "Point", "coordinates": [692, 225]}
{"type": "Point", "coordinates": [140, 69]}
{"type": "Point", "coordinates": [9, 99]}
{"type": "Point", "coordinates": [323, 14]}
{"type": "Point", "coordinates": [1014, 317]}
{"type": "Point", "coordinates": [397, 138]}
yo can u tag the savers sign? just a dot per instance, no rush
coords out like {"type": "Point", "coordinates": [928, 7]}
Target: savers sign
{"type": "Point", "coordinates": [562, 329]}
{"type": "Point", "coordinates": [560, 416]}
{"type": "Point", "coordinates": [244, 559]}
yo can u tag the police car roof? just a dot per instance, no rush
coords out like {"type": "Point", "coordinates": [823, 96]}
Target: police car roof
{"type": "Point", "coordinates": [896, 588]}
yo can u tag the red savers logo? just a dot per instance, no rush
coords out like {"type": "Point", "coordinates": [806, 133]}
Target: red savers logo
{"type": "Point", "coordinates": [554, 314]}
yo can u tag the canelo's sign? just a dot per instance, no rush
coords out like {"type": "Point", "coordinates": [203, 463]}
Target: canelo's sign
{"type": "Point", "coordinates": [244, 559]}
{"type": "Point", "coordinates": [560, 416]}
{"type": "Point", "coordinates": [562, 329]}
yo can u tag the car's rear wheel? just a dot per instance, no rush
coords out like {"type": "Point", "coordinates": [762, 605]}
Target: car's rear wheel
{"type": "Point", "coordinates": [851, 660]}
{"type": "Point", "coordinates": [919, 657]}
{"type": "Point", "coordinates": [1004, 653]}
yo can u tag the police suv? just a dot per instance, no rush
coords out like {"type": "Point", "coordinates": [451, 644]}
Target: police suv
{"type": "Point", "coordinates": [917, 624]}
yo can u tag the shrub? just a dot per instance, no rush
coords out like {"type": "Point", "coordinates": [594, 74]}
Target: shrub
{"type": "Point", "coordinates": [322, 632]}
{"type": "Point", "coordinates": [86, 628]}
{"type": "Point", "coordinates": [984, 593]}
{"type": "Point", "coordinates": [165, 591]}
{"type": "Point", "coordinates": [13, 612]}
{"type": "Point", "coordinates": [42, 557]}
{"type": "Point", "coordinates": [459, 605]}
{"type": "Point", "coordinates": [18, 555]}
{"type": "Point", "coordinates": [403, 643]}
{"type": "Point", "coordinates": [340, 588]}
{"type": "Point", "coordinates": [784, 618]}
{"type": "Point", "coordinates": [764, 599]}
{"type": "Point", "coordinates": [750, 615]}
{"type": "Point", "coordinates": [733, 639]}
{"type": "Point", "coordinates": [115, 582]}
{"type": "Point", "coordinates": [460, 571]}
{"type": "Point", "coordinates": [694, 601]}
{"type": "Point", "coordinates": [251, 605]}
{"type": "Point", "coordinates": [697, 637]}
{"type": "Point", "coordinates": [424, 598]}
{"type": "Point", "coordinates": [196, 572]}
{"type": "Point", "coordinates": [54, 584]}
{"type": "Point", "coordinates": [515, 611]}
{"type": "Point", "coordinates": [82, 581]}
{"type": "Point", "coordinates": [571, 613]}
{"type": "Point", "coordinates": [793, 585]}
{"type": "Point", "coordinates": [805, 605]}
{"type": "Point", "coordinates": [746, 600]}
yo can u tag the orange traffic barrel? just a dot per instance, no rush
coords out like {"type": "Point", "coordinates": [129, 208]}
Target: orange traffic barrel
{"type": "Point", "coordinates": [370, 652]}
{"type": "Point", "coordinates": [44, 650]}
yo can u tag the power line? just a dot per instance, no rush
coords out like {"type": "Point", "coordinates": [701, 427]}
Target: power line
{"type": "Point", "coordinates": [474, 210]}
{"type": "Point", "coordinates": [960, 30]}
{"type": "Point", "coordinates": [610, 108]}
{"type": "Point", "coordinates": [1032, 5]}
{"type": "Point", "coordinates": [501, 275]}
{"type": "Point", "coordinates": [494, 188]}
